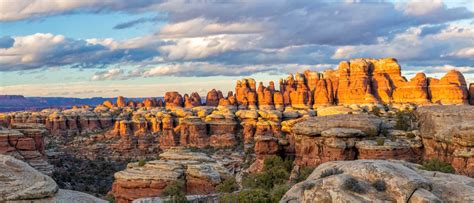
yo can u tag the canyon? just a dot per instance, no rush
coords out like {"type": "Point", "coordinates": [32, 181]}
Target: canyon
{"type": "Point", "coordinates": [363, 110]}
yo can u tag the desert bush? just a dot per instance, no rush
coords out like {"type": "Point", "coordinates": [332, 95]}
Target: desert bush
{"type": "Point", "coordinates": [404, 120]}
{"type": "Point", "coordinates": [278, 191]}
{"type": "Point", "coordinates": [380, 141]}
{"type": "Point", "coordinates": [272, 181]}
{"type": "Point", "coordinates": [303, 174]}
{"type": "Point", "coordinates": [330, 172]}
{"type": "Point", "coordinates": [379, 185]}
{"type": "Point", "coordinates": [227, 186]}
{"type": "Point", "coordinates": [353, 185]}
{"type": "Point", "coordinates": [376, 111]}
{"type": "Point", "coordinates": [141, 163]}
{"type": "Point", "coordinates": [174, 191]}
{"type": "Point", "coordinates": [109, 198]}
{"type": "Point", "coordinates": [437, 165]}
{"type": "Point", "coordinates": [254, 195]}
{"type": "Point", "coordinates": [229, 197]}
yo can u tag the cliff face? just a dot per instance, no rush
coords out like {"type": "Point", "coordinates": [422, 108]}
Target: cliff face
{"type": "Point", "coordinates": [26, 142]}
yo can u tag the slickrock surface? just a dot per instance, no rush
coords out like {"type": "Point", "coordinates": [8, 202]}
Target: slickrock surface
{"type": "Point", "coordinates": [448, 134]}
{"type": "Point", "coordinates": [19, 182]}
{"type": "Point", "coordinates": [200, 172]}
{"type": "Point", "coordinates": [403, 182]}
{"type": "Point", "coordinates": [25, 142]}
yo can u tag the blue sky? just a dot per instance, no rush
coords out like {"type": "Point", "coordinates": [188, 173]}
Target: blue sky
{"type": "Point", "coordinates": [113, 47]}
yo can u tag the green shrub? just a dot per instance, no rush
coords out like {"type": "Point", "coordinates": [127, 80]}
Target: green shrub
{"type": "Point", "coordinates": [303, 174]}
{"type": "Point", "coordinates": [353, 185]}
{"type": "Point", "coordinates": [227, 186]}
{"type": "Point", "coordinates": [141, 163]}
{"type": "Point", "coordinates": [379, 185]}
{"type": "Point", "coordinates": [274, 162]}
{"type": "Point", "coordinates": [380, 141]}
{"type": "Point", "coordinates": [254, 195]}
{"type": "Point", "coordinates": [376, 111]}
{"type": "Point", "coordinates": [411, 135]}
{"type": "Point", "coordinates": [229, 197]}
{"type": "Point", "coordinates": [308, 185]}
{"type": "Point", "coordinates": [330, 172]}
{"type": "Point", "coordinates": [269, 185]}
{"type": "Point", "coordinates": [109, 198]}
{"type": "Point", "coordinates": [437, 165]}
{"type": "Point", "coordinates": [275, 171]}
{"type": "Point", "coordinates": [278, 191]}
{"type": "Point", "coordinates": [174, 191]}
{"type": "Point", "coordinates": [404, 120]}
{"type": "Point", "coordinates": [258, 180]}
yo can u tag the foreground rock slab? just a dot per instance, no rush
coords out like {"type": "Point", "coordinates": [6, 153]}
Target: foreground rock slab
{"type": "Point", "coordinates": [19, 182]}
{"type": "Point", "coordinates": [379, 181]}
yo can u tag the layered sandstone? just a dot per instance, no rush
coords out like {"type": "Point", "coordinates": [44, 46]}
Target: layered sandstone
{"type": "Point", "coordinates": [25, 142]}
{"type": "Point", "coordinates": [448, 133]}
{"type": "Point", "coordinates": [199, 172]}
{"type": "Point", "coordinates": [380, 181]}
{"type": "Point", "coordinates": [450, 89]}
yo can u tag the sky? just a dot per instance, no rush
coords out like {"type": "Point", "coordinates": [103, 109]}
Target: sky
{"type": "Point", "coordinates": [143, 48]}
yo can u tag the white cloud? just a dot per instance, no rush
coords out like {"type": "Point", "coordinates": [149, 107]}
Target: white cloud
{"type": "Point", "coordinates": [412, 47]}
{"type": "Point", "coordinates": [199, 27]}
{"type": "Point", "coordinates": [109, 74]}
{"type": "Point", "coordinates": [420, 7]}
{"type": "Point", "coordinates": [464, 53]}
{"type": "Point", "coordinates": [202, 47]}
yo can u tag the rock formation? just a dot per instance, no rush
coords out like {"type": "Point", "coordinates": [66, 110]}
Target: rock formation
{"type": "Point", "coordinates": [199, 172]}
{"type": "Point", "coordinates": [450, 89]}
{"type": "Point", "coordinates": [380, 181]}
{"type": "Point", "coordinates": [25, 142]}
{"type": "Point", "coordinates": [21, 183]}
{"type": "Point", "coordinates": [448, 133]}
{"type": "Point", "coordinates": [173, 99]}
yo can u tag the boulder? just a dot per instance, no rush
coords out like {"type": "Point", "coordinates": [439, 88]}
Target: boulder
{"type": "Point", "coordinates": [22, 183]}
{"type": "Point", "coordinates": [379, 181]}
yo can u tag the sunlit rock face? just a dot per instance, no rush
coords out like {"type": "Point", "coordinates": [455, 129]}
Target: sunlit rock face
{"type": "Point", "coordinates": [450, 89]}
